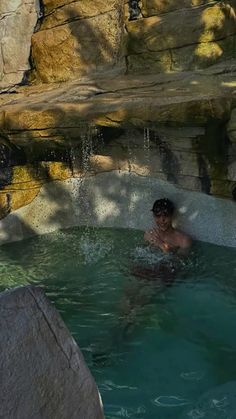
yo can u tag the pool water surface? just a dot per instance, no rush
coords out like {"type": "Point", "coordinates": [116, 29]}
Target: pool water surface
{"type": "Point", "coordinates": [155, 351]}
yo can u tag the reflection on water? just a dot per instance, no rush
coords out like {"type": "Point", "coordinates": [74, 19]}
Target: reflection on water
{"type": "Point", "coordinates": [155, 351]}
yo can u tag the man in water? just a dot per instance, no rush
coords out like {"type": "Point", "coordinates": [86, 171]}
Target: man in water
{"type": "Point", "coordinates": [164, 235]}
{"type": "Point", "coordinates": [169, 240]}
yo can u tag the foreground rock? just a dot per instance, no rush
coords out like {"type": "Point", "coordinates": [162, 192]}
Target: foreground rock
{"type": "Point", "coordinates": [43, 373]}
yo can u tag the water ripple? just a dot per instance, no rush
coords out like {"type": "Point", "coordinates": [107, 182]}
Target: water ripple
{"type": "Point", "coordinates": [192, 376]}
{"type": "Point", "coordinates": [170, 401]}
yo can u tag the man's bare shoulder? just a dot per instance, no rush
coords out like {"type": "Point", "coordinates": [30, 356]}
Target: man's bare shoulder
{"type": "Point", "coordinates": [183, 239]}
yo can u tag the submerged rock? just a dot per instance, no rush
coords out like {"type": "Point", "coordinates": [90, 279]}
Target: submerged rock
{"type": "Point", "coordinates": [43, 373]}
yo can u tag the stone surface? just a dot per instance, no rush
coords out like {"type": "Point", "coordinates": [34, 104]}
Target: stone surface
{"type": "Point", "coordinates": [75, 38]}
{"type": "Point", "coordinates": [25, 182]}
{"type": "Point", "coordinates": [43, 373]}
{"type": "Point", "coordinates": [193, 158]}
{"type": "Point", "coordinates": [17, 22]}
{"type": "Point", "coordinates": [78, 38]}
{"type": "Point", "coordinates": [157, 7]}
{"type": "Point", "coordinates": [62, 111]}
{"type": "Point", "coordinates": [183, 120]}
{"type": "Point", "coordinates": [159, 43]}
{"type": "Point", "coordinates": [231, 127]}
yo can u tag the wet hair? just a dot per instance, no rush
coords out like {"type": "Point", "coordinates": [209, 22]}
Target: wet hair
{"type": "Point", "coordinates": [163, 207]}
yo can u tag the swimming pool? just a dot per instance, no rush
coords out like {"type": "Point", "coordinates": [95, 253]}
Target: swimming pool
{"type": "Point", "coordinates": [154, 351]}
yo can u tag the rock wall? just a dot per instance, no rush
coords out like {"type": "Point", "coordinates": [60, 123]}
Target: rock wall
{"type": "Point", "coordinates": [111, 174]}
{"type": "Point", "coordinates": [17, 22]}
{"type": "Point", "coordinates": [78, 38]}
{"type": "Point", "coordinates": [43, 373]}
{"type": "Point", "coordinates": [119, 199]}
{"type": "Point", "coordinates": [174, 37]}
{"type": "Point", "coordinates": [165, 127]}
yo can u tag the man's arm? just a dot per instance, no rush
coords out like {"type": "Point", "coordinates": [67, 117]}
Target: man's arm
{"type": "Point", "coordinates": [154, 239]}
{"type": "Point", "coordinates": [184, 245]}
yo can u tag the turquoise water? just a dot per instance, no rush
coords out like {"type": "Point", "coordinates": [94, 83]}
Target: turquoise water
{"type": "Point", "coordinates": [156, 351]}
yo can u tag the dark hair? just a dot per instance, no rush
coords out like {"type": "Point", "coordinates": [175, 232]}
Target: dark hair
{"type": "Point", "coordinates": [163, 207]}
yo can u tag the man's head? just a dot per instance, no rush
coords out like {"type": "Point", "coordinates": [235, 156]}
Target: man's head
{"type": "Point", "coordinates": [163, 210]}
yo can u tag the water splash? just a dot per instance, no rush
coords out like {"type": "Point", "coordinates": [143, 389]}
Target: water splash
{"type": "Point", "coordinates": [93, 250]}
{"type": "Point", "coordinates": [109, 385]}
{"type": "Point", "coordinates": [87, 150]}
{"type": "Point", "coordinates": [147, 255]}
{"type": "Point", "coordinates": [146, 137]}
{"type": "Point", "coordinates": [124, 412]}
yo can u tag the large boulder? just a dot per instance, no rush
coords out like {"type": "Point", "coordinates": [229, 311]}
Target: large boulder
{"type": "Point", "coordinates": [43, 373]}
{"type": "Point", "coordinates": [17, 22]}
{"type": "Point", "coordinates": [77, 38]}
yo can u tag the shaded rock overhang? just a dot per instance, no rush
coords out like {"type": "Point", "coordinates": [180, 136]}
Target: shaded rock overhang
{"type": "Point", "coordinates": [174, 99]}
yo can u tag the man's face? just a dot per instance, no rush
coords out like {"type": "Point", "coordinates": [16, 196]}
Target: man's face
{"type": "Point", "coordinates": [163, 221]}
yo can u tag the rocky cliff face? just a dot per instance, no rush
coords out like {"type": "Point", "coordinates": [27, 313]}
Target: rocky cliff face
{"type": "Point", "coordinates": [81, 37]}
{"type": "Point", "coordinates": [179, 37]}
{"type": "Point", "coordinates": [150, 65]}
{"type": "Point", "coordinates": [74, 38]}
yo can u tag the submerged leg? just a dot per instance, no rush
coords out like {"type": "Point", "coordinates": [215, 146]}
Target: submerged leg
{"type": "Point", "coordinates": [165, 273]}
